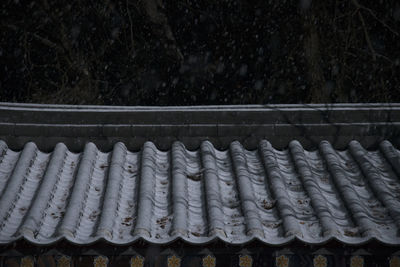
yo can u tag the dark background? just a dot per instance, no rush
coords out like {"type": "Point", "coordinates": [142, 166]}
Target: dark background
{"type": "Point", "coordinates": [154, 52]}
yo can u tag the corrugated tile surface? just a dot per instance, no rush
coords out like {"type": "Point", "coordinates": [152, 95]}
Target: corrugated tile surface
{"type": "Point", "coordinates": [236, 195]}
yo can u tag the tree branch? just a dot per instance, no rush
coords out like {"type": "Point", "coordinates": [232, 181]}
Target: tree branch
{"type": "Point", "coordinates": [367, 35]}
{"type": "Point", "coordinates": [154, 13]}
{"type": "Point", "coordinates": [359, 6]}
{"type": "Point", "coordinates": [41, 39]}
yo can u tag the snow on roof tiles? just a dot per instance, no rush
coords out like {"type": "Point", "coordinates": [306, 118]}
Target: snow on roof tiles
{"type": "Point", "coordinates": [236, 195]}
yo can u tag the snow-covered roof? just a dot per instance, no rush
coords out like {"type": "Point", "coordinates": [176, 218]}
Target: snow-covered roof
{"type": "Point", "coordinates": [236, 194]}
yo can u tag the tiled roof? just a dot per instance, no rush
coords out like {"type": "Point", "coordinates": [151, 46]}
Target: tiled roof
{"type": "Point", "coordinates": [236, 195]}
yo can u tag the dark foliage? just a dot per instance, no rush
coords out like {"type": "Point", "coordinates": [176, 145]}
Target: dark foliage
{"type": "Point", "coordinates": [199, 52]}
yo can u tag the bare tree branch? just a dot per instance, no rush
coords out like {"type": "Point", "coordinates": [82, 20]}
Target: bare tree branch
{"type": "Point", "coordinates": [359, 6]}
{"type": "Point", "coordinates": [367, 39]}
{"type": "Point", "coordinates": [155, 14]}
{"type": "Point", "coordinates": [43, 40]}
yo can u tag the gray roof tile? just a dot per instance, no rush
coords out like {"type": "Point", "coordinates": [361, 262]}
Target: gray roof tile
{"type": "Point", "coordinates": [236, 195]}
